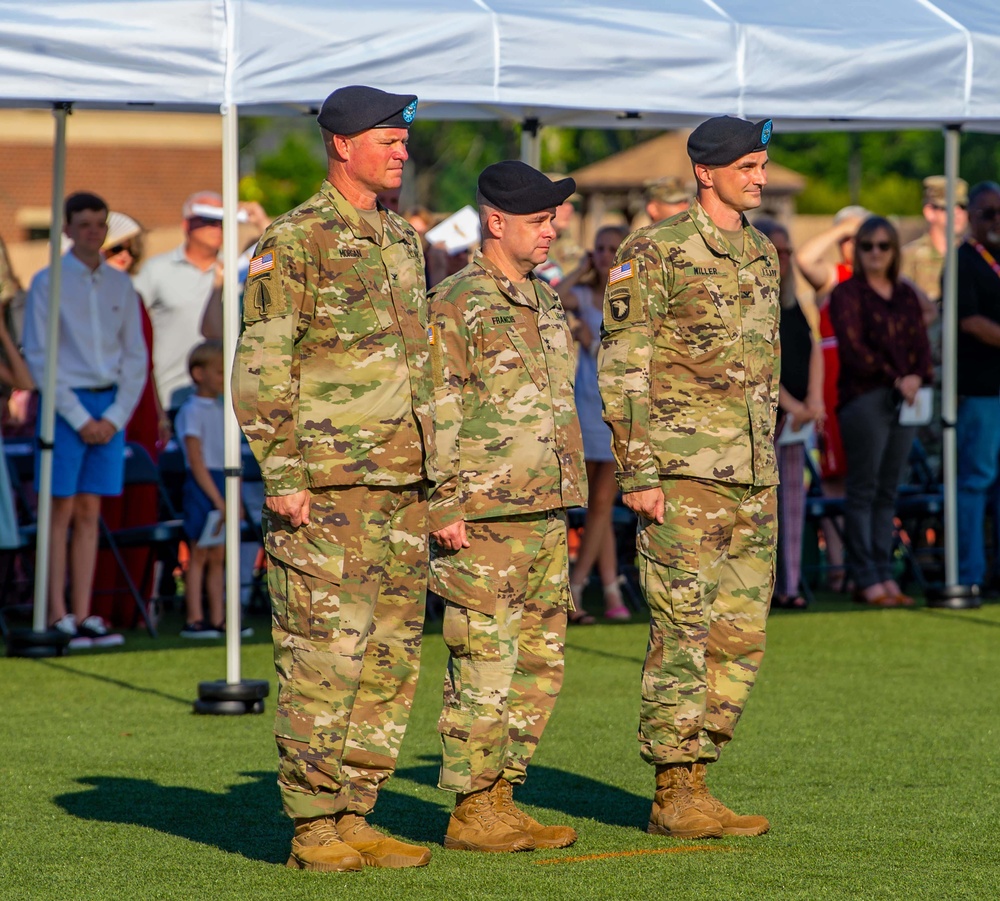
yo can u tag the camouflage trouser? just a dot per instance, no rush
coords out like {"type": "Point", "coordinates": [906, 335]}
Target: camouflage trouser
{"type": "Point", "coordinates": [347, 593]}
{"type": "Point", "coordinates": [707, 574]}
{"type": "Point", "coordinates": [505, 626]}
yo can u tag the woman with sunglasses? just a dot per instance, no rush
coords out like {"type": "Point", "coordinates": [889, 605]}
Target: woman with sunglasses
{"type": "Point", "coordinates": [885, 358]}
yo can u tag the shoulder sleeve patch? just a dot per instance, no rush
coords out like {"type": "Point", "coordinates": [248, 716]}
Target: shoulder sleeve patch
{"type": "Point", "coordinates": [258, 300]}
{"type": "Point", "coordinates": [261, 264]}
{"type": "Point", "coordinates": [622, 272]}
{"type": "Point", "coordinates": [623, 304]}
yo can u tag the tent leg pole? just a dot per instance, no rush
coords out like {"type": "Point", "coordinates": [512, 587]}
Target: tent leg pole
{"type": "Point", "coordinates": [951, 594]}
{"type": "Point", "coordinates": [234, 695]}
{"type": "Point", "coordinates": [41, 641]}
{"type": "Point", "coordinates": [531, 147]}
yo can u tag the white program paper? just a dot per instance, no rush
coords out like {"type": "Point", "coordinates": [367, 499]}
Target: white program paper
{"type": "Point", "coordinates": [921, 410]}
{"type": "Point", "coordinates": [459, 231]}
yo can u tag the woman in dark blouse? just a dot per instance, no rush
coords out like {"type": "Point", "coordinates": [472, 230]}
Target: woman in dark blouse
{"type": "Point", "coordinates": [884, 360]}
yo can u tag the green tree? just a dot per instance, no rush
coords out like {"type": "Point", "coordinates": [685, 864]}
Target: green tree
{"type": "Point", "coordinates": [284, 178]}
{"type": "Point", "coordinates": [283, 161]}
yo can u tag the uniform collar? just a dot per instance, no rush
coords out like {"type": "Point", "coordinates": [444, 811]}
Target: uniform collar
{"type": "Point", "coordinates": [358, 226]}
{"type": "Point", "coordinates": [542, 300]}
{"type": "Point", "coordinates": [754, 245]}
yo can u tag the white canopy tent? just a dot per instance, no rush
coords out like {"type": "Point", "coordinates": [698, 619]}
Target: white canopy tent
{"type": "Point", "coordinates": [658, 63]}
{"type": "Point", "coordinates": [639, 63]}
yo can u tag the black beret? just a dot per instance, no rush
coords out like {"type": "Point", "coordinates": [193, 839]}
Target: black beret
{"type": "Point", "coordinates": [357, 108]}
{"type": "Point", "coordinates": [514, 187]}
{"type": "Point", "coordinates": [724, 139]}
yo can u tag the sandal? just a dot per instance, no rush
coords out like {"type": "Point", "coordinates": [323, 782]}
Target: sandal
{"type": "Point", "coordinates": [577, 616]}
{"type": "Point", "coordinates": [617, 611]}
{"type": "Point", "coordinates": [880, 600]}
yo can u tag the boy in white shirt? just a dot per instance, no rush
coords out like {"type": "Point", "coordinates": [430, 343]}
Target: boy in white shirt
{"type": "Point", "coordinates": [100, 374]}
{"type": "Point", "coordinates": [200, 432]}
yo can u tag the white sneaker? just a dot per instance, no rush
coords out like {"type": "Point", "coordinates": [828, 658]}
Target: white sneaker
{"type": "Point", "coordinates": [96, 631]}
{"type": "Point", "coordinates": [66, 625]}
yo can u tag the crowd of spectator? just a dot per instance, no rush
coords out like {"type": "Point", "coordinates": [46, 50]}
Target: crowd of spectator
{"type": "Point", "coordinates": [850, 361]}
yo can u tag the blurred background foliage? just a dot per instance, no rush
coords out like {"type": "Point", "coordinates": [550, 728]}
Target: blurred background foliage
{"type": "Point", "coordinates": [282, 161]}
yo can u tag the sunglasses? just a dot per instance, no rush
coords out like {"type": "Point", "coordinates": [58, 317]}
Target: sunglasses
{"type": "Point", "coordinates": [118, 248]}
{"type": "Point", "coordinates": [869, 246]}
{"type": "Point", "coordinates": [203, 222]}
{"type": "Point", "coordinates": [988, 213]}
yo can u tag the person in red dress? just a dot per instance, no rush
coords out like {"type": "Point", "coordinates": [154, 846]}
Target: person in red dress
{"type": "Point", "coordinates": [814, 259]}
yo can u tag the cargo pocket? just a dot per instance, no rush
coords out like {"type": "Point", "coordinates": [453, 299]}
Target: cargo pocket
{"type": "Point", "coordinates": [613, 376]}
{"type": "Point", "coordinates": [672, 574]}
{"type": "Point", "coordinates": [313, 685]}
{"type": "Point", "coordinates": [472, 579]}
{"type": "Point", "coordinates": [304, 576]}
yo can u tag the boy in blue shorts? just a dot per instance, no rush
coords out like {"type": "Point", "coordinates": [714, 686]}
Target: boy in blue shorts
{"type": "Point", "coordinates": [100, 374]}
{"type": "Point", "coordinates": [200, 432]}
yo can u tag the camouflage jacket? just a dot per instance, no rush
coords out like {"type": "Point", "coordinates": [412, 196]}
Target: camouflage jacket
{"type": "Point", "coordinates": [689, 357]}
{"type": "Point", "coordinates": [331, 382]}
{"type": "Point", "coordinates": [507, 433]}
{"type": "Point", "coordinates": [922, 264]}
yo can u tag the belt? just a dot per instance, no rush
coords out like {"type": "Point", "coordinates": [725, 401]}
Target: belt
{"type": "Point", "coordinates": [97, 389]}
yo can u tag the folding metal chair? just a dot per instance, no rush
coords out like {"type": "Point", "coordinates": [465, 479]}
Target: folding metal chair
{"type": "Point", "coordinates": [141, 470]}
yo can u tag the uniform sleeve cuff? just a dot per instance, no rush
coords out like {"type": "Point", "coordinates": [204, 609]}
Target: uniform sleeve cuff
{"type": "Point", "coordinates": [629, 480]}
{"type": "Point", "coordinates": [441, 517]}
{"type": "Point", "coordinates": [288, 484]}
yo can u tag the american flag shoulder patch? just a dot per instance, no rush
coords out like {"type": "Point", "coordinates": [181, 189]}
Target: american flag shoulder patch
{"type": "Point", "coordinates": [622, 272]}
{"type": "Point", "coordinates": [263, 263]}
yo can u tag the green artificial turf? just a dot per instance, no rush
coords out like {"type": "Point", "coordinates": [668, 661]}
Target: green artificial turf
{"type": "Point", "coordinates": [870, 742]}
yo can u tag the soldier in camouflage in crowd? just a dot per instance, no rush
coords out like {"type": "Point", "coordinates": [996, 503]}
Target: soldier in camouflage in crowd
{"type": "Point", "coordinates": [689, 379]}
{"type": "Point", "coordinates": [511, 460]}
{"type": "Point", "coordinates": [332, 387]}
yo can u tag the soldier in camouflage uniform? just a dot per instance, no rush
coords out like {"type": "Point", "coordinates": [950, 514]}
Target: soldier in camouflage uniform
{"type": "Point", "coordinates": [922, 260]}
{"type": "Point", "coordinates": [332, 388]}
{"type": "Point", "coordinates": [511, 460]}
{"type": "Point", "coordinates": [689, 379]}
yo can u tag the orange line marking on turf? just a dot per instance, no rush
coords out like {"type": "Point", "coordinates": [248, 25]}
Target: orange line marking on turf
{"type": "Point", "coordinates": [682, 849]}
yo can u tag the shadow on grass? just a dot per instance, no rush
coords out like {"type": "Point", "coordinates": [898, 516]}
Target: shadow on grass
{"type": "Point", "coordinates": [547, 788]}
{"type": "Point", "coordinates": [118, 683]}
{"type": "Point", "coordinates": [959, 616]}
{"type": "Point", "coordinates": [245, 819]}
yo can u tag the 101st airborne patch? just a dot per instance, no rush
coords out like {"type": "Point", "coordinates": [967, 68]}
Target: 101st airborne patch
{"type": "Point", "coordinates": [624, 302]}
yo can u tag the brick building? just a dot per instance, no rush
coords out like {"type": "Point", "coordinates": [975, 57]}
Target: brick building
{"type": "Point", "coordinates": [143, 163]}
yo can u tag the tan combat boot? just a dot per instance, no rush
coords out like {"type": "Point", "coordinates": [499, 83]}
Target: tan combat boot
{"type": "Point", "coordinates": [475, 826]}
{"type": "Point", "coordinates": [502, 795]}
{"type": "Point", "coordinates": [732, 823]}
{"type": "Point", "coordinates": [317, 846]}
{"type": "Point", "coordinates": [675, 811]}
{"type": "Point", "coordinates": [376, 848]}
